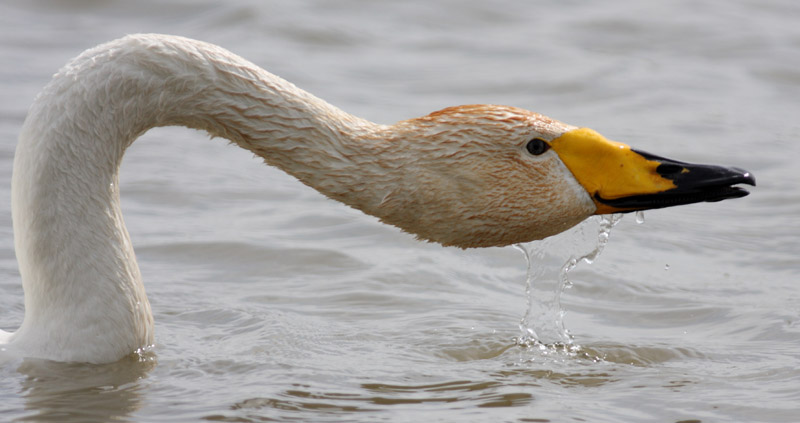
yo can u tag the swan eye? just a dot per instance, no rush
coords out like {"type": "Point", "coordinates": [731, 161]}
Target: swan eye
{"type": "Point", "coordinates": [537, 146]}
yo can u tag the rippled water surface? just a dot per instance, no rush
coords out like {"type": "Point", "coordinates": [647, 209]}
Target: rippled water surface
{"type": "Point", "coordinates": [274, 303]}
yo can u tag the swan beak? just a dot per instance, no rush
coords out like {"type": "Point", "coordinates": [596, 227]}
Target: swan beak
{"type": "Point", "coordinates": [620, 179]}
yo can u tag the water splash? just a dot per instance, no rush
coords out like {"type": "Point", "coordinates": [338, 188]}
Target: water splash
{"type": "Point", "coordinates": [542, 326]}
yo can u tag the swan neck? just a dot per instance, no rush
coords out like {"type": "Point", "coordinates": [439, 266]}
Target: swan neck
{"type": "Point", "coordinates": [84, 298]}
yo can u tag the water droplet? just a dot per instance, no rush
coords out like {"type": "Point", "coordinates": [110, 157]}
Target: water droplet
{"type": "Point", "coordinates": [639, 217]}
{"type": "Point", "coordinates": [666, 267]}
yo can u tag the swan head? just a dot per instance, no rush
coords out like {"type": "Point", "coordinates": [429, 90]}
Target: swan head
{"type": "Point", "coordinates": [485, 175]}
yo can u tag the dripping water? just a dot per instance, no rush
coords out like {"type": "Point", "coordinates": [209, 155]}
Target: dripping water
{"type": "Point", "coordinates": [542, 325]}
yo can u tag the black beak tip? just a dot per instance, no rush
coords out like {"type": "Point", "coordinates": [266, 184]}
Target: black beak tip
{"type": "Point", "coordinates": [746, 177]}
{"type": "Point", "coordinates": [742, 177]}
{"type": "Point", "coordinates": [725, 186]}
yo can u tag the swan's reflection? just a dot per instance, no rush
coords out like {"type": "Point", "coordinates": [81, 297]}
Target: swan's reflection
{"type": "Point", "coordinates": [69, 392]}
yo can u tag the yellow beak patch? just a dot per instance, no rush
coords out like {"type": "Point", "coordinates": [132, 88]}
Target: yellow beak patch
{"type": "Point", "coordinates": [608, 169]}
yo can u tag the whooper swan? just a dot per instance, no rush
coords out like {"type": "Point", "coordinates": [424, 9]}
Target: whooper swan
{"type": "Point", "coordinates": [468, 176]}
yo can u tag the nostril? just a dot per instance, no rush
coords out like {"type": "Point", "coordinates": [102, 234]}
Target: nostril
{"type": "Point", "coordinates": [667, 169]}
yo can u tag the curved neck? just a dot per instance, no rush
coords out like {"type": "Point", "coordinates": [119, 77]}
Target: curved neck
{"type": "Point", "coordinates": [84, 300]}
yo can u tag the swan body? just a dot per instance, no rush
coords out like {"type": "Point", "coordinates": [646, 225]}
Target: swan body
{"type": "Point", "coordinates": [465, 176]}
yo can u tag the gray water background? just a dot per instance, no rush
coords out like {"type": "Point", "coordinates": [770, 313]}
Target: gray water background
{"type": "Point", "coordinates": [273, 303]}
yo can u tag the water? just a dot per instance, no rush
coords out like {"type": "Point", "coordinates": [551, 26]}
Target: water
{"type": "Point", "coordinates": [639, 217]}
{"type": "Point", "coordinates": [543, 322]}
{"type": "Point", "coordinates": [273, 303]}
